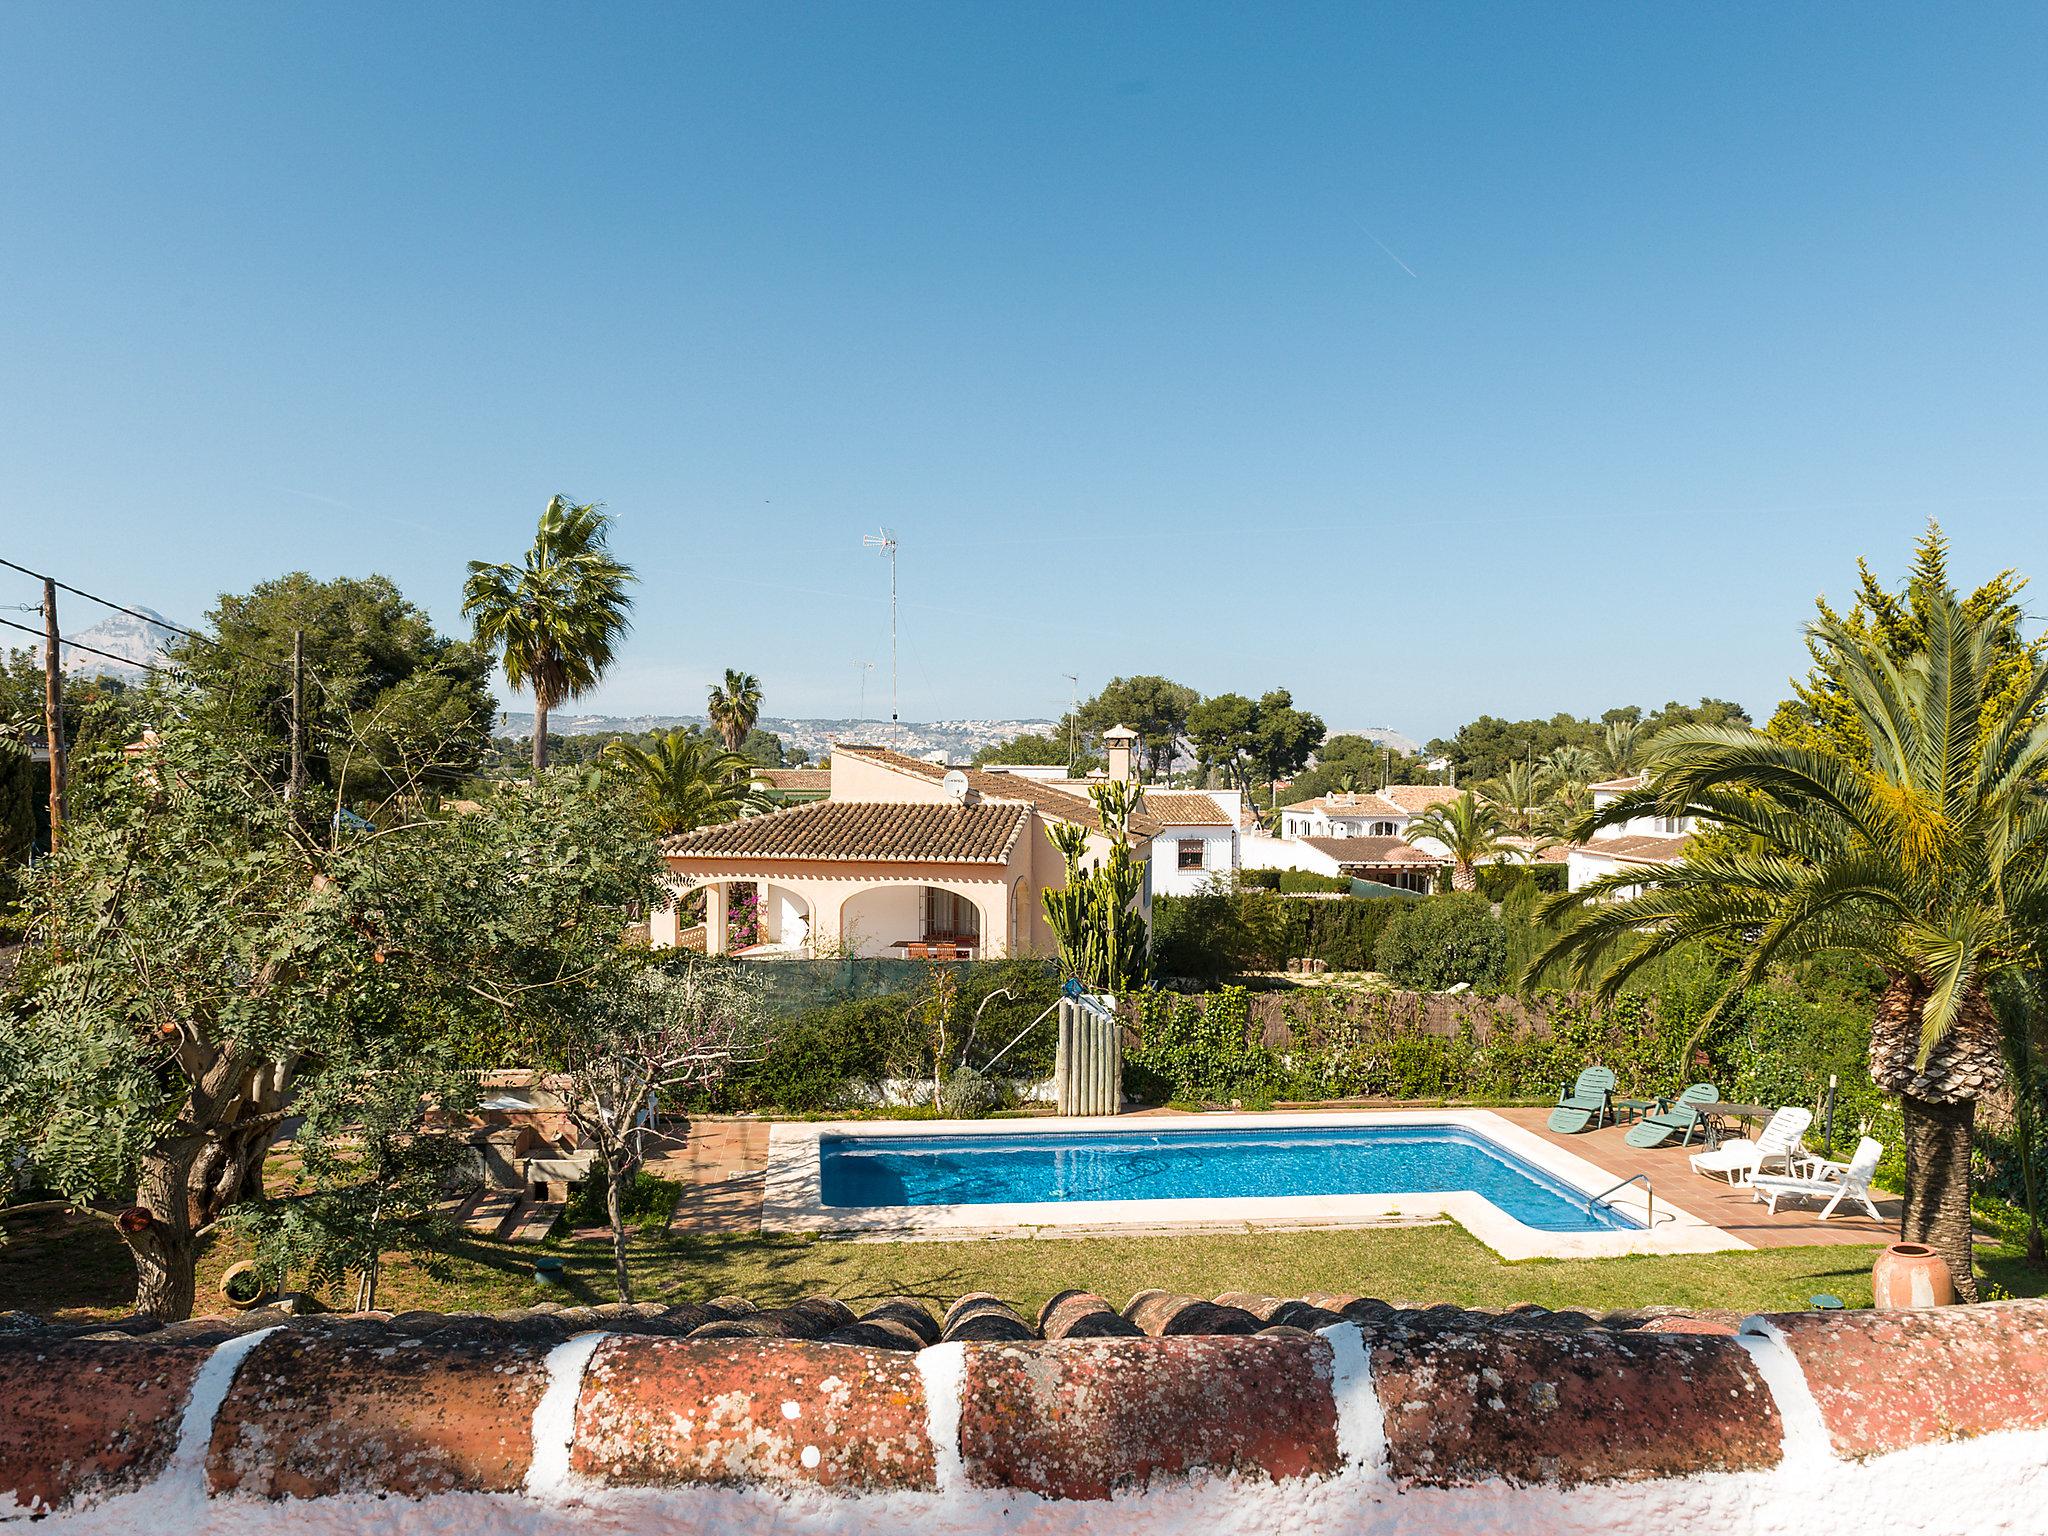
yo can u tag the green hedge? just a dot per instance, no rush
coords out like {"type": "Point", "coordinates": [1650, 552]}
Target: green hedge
{"type": "Point", "coordinates": [1775, 1045]}
{"type": "Point", "coordinates": [1214, 934]}
{"type": "Point", "coordinates": [817, 1055]}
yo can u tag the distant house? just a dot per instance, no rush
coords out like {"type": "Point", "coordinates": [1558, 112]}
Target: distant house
{"type": "Point", "coordinates": [794, 786]}
{"type": "Point", "coordinates": [1641, 842]}
{"type": "Point", "coordinates": [1365, 813]}
{"type": "Point", "coordinates": [901, 857]}
{"type": "Point", "coordinates": [1384, 860]}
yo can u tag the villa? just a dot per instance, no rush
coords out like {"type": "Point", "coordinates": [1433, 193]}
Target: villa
{"type": "Point", "coordinates": [1641, 842]}
{"type": "Point", "coordinates": [901, 858]}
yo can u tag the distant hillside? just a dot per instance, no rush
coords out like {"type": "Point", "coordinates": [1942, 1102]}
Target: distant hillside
{"type": "Point", "coordinates": [1385, 736]}
{"type": "Point", "coordinates": [957, 739]}
{"type": "Point", "coordinates": [139, 642]}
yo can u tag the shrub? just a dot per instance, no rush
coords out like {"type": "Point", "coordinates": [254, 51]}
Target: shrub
{"type": "Point", "coordinates": [647, 1202]}
{"type": "Point", "coordinates": [1499, 882]}
{"type": "Point", "coordinates": [1259, 879]}
{"type": "Point", "coordinates": [1443, 941]}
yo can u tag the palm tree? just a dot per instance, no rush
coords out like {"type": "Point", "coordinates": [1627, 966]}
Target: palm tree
{"type": "Point", "coordinates": [734, 707]}
{"type": "Point", "coordinates": [684, 783]}
{"type": "Point", "coordinates": [1470, 830]}
{"type": "Point", "coordinates": [1924, 858]}
{"type": "Point", "coordinates": [1516, 798]}
{"type": "Point", "coordinates": [1621, 747]}
{"type": "Point", "coordinates": [556, 617]}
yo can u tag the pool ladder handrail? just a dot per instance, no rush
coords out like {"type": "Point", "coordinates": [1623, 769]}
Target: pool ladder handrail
{"type": "Point", "coordinates": [1649, 1194]}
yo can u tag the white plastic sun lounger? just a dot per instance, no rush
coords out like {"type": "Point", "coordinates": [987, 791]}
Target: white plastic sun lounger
{"type": "Point", "coordinates": [1741, 1160]}
{"type": "Point", "coordinates": [1832, 1182]}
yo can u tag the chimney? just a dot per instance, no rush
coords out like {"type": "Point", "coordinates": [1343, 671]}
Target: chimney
{"type": "Point", "coordinates": [1119, 741]}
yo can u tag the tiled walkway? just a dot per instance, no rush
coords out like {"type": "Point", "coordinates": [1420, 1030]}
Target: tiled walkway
{"type": "Point", "coordinates": [720, 1164]}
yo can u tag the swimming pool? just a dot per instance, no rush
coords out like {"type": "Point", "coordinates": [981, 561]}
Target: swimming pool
{"type": "Point", "coordinates": [1082, 1167]}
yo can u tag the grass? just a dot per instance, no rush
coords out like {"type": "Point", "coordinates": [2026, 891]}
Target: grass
{"type": "Point", "coordinates": [71, 1269]}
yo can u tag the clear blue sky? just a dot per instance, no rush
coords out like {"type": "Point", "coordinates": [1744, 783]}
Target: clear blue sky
{"type": "Point", "coordinates": [1428, 359]}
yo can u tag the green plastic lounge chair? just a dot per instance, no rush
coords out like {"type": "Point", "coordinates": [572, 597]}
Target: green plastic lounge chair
{"type": "Point", "coordinates": [1584, 1103]}
{"type": "Point", "coordinates": [1682, 1117]}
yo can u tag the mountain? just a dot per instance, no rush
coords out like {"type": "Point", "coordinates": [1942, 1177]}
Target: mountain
{"type": "Point", "coordinates": [138, 642]}
{"type": "Point", "coordinates": [958, 740]}
{"type": "Point", "coordinates": [1386, 737]}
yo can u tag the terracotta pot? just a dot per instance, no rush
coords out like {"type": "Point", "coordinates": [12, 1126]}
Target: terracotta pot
{"type": "Point", "coordinates": [1910, 1275]}
{"type": "Point", "coordinates": [253, 1296]}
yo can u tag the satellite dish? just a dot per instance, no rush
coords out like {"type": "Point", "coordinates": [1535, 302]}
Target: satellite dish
{"type": "Point", "coordinates": [955, 786]}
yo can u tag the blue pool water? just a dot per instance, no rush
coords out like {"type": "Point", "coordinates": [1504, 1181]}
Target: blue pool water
{"type": "Point", "coordinates": [1179, 1165]}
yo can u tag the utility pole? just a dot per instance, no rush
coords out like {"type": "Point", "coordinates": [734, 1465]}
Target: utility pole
{"type": "Point", "coordinates": [885, 541]}
{"type": "Point", "coordinates": [297, 786]}
{"type": "Point", "coordinates": [53, 710]}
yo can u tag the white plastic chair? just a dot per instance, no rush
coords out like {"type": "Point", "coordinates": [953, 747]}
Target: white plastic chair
{"type": "Point", "coordinates": [1832, 1182]}
{"type": "Point", "coordinates": [1742, 1160]}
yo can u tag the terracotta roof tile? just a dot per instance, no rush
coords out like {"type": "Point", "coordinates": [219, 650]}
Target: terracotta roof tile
{"type": "Point", "coordinates": [1646, 849]}
{"type": "Point", "coordinates": [1006, 786]}
{"type": "Point", "coordinates": [1184, 808]}
{"type": "Point", "coordinates": [1373, 850]}
{"type": "Point", "coordinates": [851, 829]}
{"type": "Point", "coordinates": [796, 778]}
{"type": "Point", "coordinates": [1420, 797]}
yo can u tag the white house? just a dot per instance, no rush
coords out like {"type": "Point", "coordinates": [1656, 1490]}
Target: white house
{"type": "Point", "coordinates": [1365, 813]}
{"type": "Point", "coordinates": [1638, 843]}
{"type": "Point", "coordinates": [1197, 840]}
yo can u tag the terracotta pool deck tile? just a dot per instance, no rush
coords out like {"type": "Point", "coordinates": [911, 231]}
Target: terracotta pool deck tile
{"type": "Point", "coordinates": [1732, 1208]}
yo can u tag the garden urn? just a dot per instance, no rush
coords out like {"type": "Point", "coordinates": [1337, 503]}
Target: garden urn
{"type": "Point", "coordinates": [1910, 1275]}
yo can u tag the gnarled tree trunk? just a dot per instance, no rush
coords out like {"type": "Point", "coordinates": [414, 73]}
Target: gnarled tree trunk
{"type": "Point", "coordinates": [1939, 1095]}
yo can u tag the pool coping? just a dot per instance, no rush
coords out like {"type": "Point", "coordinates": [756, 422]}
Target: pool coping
{"type": "Point", "coordinates": [793, 1199]}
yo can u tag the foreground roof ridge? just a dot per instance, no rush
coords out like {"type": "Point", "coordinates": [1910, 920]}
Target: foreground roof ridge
{"type": "Point", "coordinates": [1330, 1414]}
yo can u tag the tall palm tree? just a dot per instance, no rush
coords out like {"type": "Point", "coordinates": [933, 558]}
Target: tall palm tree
{"type": "Point", "coordinates": [734, 706]}
{"type": "Point", "coordinates": [558, 615]}
{"type": "Point", "coordinates": [1926, 858]}
{"type": "Point", "coordinates": [684, 783]}
{"type": "Point", "coordinates": [1470, 830]}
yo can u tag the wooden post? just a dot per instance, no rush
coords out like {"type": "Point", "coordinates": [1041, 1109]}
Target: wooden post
{"type": "Point", "coordinates": [53, 710]}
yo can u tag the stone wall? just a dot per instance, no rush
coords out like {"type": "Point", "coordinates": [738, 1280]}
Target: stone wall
{"type": "Point", "coordinates": [1332, 1416]}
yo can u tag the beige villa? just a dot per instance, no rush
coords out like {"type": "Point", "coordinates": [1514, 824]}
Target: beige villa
{"type": "Point", "coordinates": [902, 858]}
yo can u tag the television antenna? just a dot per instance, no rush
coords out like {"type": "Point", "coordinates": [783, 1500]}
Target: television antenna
{"type": "Point", "coordinates": [1073, 710]}
{"type": "Point", "coordinates": [885, 543]}
{"type": "Point", "coordinates": [865, 668]}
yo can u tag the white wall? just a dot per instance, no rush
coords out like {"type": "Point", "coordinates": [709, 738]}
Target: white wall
{"type": "Point", "coordinates": [1219, 857]}
{"type": "Point", "coordinates": [1258, 850]}
{"type": "Point", "coordinates": [872, 921]}
{"type": "Point", "coordinates": [1638, 826]}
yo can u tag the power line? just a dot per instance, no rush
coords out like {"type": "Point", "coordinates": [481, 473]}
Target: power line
{"type": "Point", "coordinates": [79, 645]}
{"type": "Point", "coordinates": [104, 602]}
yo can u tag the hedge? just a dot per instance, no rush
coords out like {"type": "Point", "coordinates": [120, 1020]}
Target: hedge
{"type": "Point", "coordinates": [1214, 934]}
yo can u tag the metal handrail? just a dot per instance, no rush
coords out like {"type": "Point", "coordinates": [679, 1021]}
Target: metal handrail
{"type": "Point", "coordinates": [1649, 1193]}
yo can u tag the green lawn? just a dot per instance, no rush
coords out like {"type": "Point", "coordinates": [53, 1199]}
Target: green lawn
{"type": "Point", "coordinates": [75, 1270]}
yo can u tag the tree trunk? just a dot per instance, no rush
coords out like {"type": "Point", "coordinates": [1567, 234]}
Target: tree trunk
{"type": "Point", "coordinates": [1937, 1203]}
{"type": "Point", "coordinates": [615, 1208]}
{"type": "Point", "coordinates": [1464, 877]}
{"type": "Point", "coordinates": [540, 737]}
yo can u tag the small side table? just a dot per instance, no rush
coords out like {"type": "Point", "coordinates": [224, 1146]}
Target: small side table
{"type": "Point", "coordinates": [1635, 1109]}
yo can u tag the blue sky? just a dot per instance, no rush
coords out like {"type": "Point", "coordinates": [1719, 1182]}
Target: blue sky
{"type": "Point", "coordinates": [1428, 359]}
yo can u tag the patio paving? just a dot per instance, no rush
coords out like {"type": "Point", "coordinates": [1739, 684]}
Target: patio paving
{"type": "Point", "coordinates": [1732, 1208]}
{"type": "Point", "coordinates": [720, 1164]}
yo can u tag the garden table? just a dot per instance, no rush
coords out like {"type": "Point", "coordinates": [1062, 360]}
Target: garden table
{"type": "Point", "coordinates": [1637, 1108]}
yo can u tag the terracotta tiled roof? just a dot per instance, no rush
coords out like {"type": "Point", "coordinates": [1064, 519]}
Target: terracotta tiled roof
{"type": "Point", "coordinates": [851, 829]}
{"type": "Point", "coordinates": [1184, 808]}
{"type": "Point", "coordinates": [1318, 1415]}
{"type": "Point", "coordinates": [1056, 803]}
{"type": "Point", "coordinates": [1637, 850]}
{"type": "Point", "coordinates": [1373, 850]}
{"type": "Point", "coordinates": [796, 778]}
{"type": "Point", "coordinates": [1549, 853]}
{"type": "Point", "coordinates": [1366, 802]}
{"type": "Point", "coordinates": [1420, 797]}
{"type": "Point", "coordinates": [1619, 786]}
